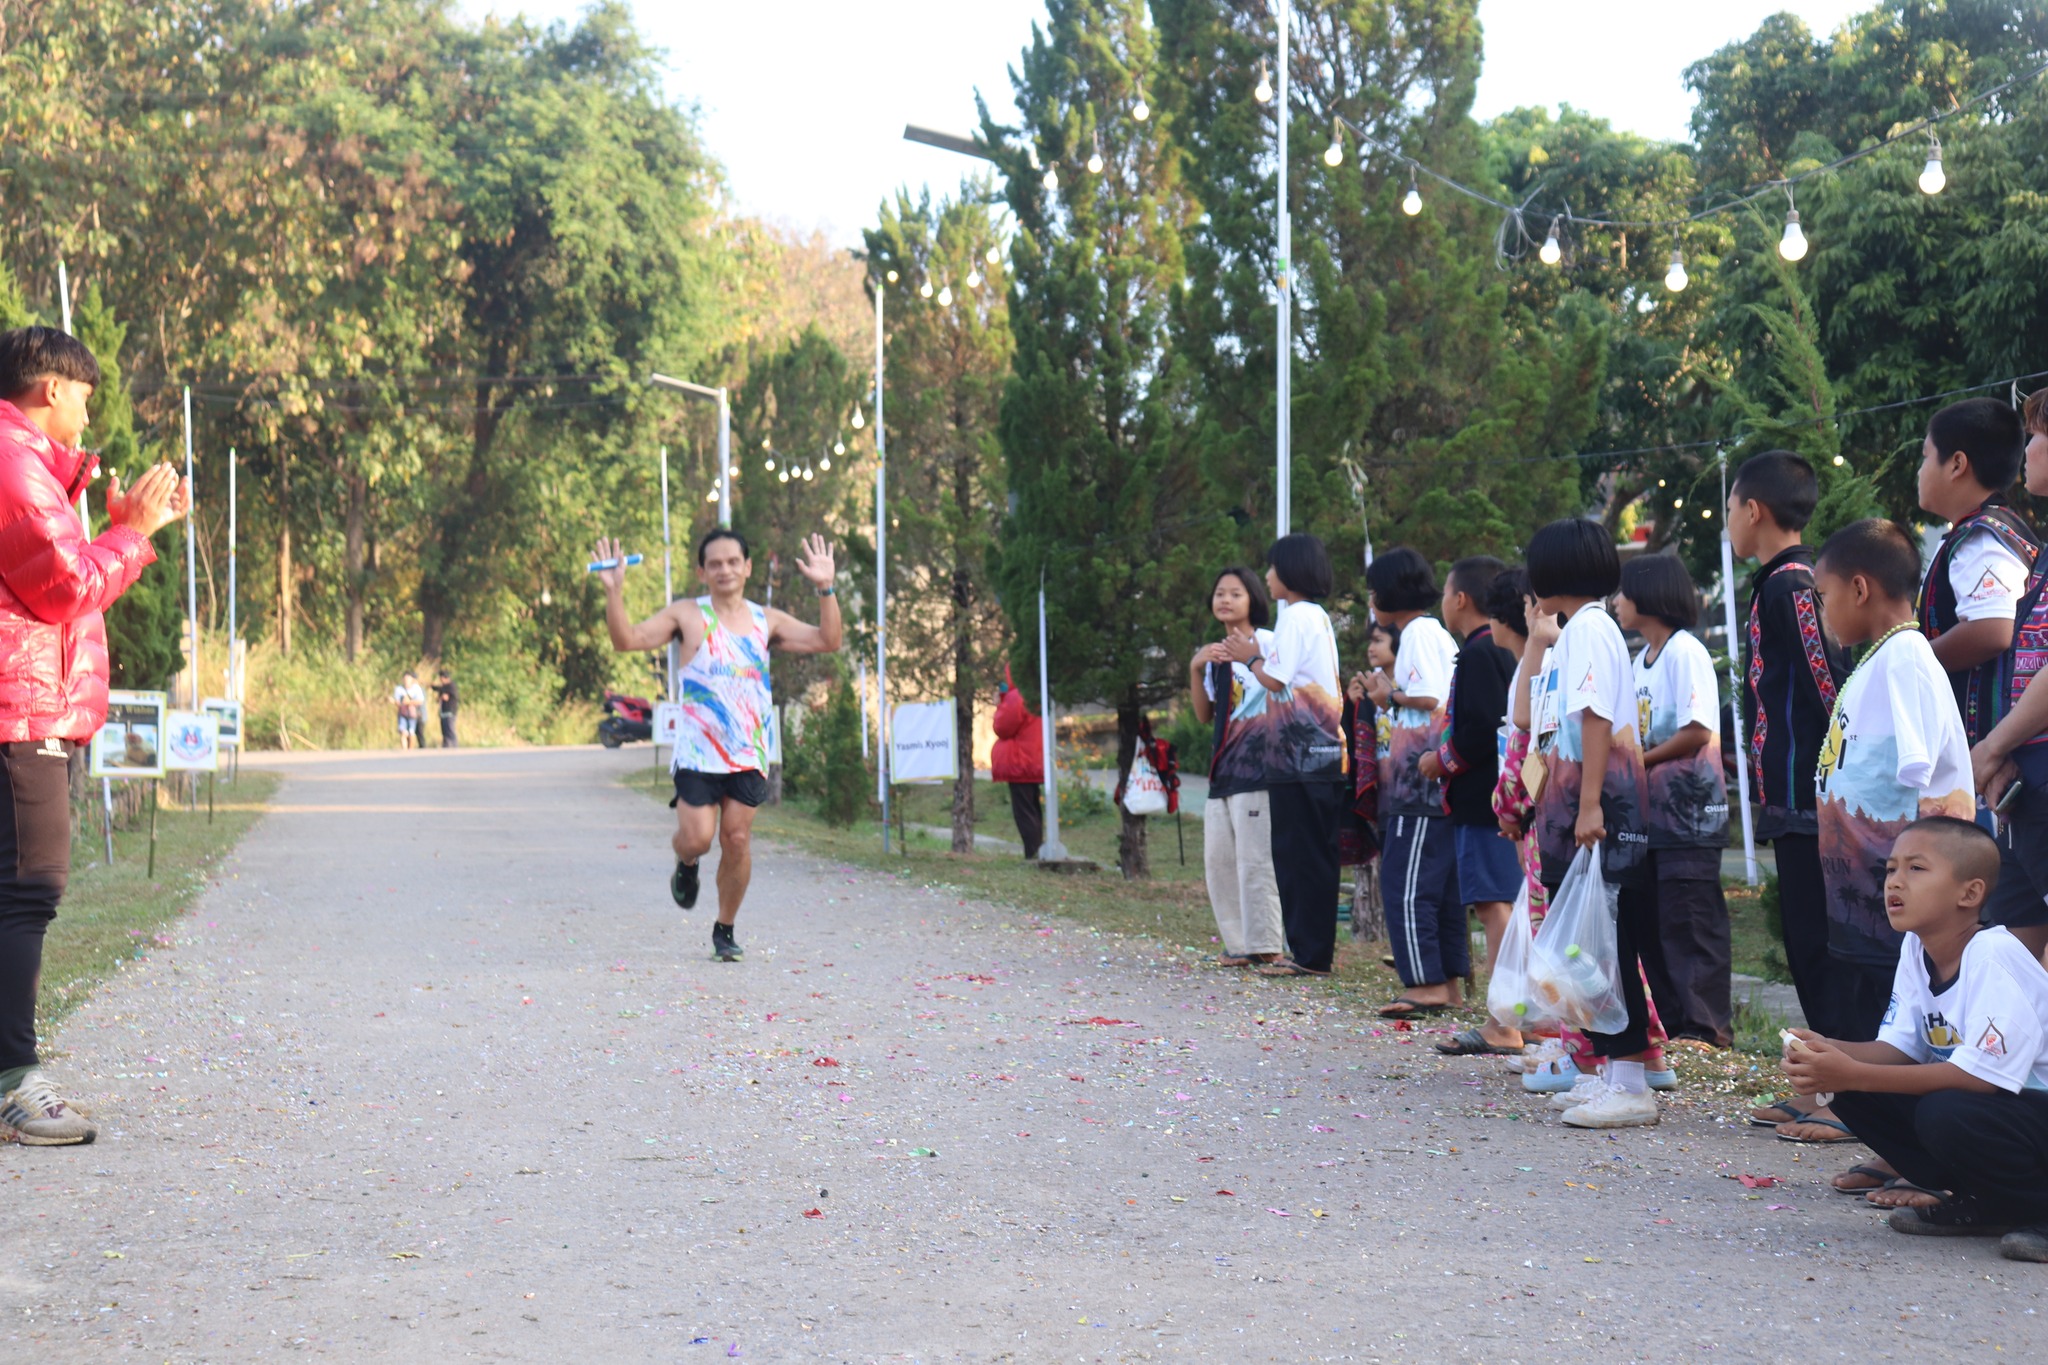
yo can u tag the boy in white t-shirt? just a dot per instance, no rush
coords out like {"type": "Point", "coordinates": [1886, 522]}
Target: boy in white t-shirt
{"type": "Point", "coordinates": [1953, 1093]}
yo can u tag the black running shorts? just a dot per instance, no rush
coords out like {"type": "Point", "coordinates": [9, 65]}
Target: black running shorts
{"type": "Point", "coordinates": [749, 788]}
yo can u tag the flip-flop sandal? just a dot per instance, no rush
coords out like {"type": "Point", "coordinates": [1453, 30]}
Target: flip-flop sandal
{"type": "Point", "coordinates": [1881, 1176]}
{"type": "Point", "coordinates": [1472, 1043]}
{"type": "Point", "coordinates": [1230, 960]}
{"type": "Point", "coordinates": [1288, 967]}
{"type": "Point", "coordinates": [1404, 1008]}
{"type": "Point", "coordinates": [1785, 1107]}
{"type": "Point", "coordinates": [1949, 1218]}
{"type": "Point", "coordinates": [1899, 1182]}
{"type": "Point", "coordinates": [1836, 1124]}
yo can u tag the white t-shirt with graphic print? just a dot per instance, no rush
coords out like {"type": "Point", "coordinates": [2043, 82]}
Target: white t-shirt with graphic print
{"type": "Point", "coordinates": [1987, 576]}
{"type": "Point", "coordinates": [1991, 1020]}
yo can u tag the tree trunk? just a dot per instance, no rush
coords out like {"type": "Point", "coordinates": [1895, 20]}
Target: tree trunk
{"type": "Point", "coordinates": [1133, 859]}
{"type": "Point", "coordinates": [963, 682]}
{"type": "Point", "coordinates": [354, 569]}
{"type": "Point", "coordinates": [285, 582]}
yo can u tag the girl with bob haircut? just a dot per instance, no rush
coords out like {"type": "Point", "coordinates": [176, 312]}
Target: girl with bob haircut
{"type": "Point", "coordinates": [1237, 843]}
{"type": "Point", "coordinates": [1294, 740]}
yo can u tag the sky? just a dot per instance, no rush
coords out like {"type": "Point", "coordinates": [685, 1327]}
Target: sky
{"type": "Point", "coordinates": [804, 101]}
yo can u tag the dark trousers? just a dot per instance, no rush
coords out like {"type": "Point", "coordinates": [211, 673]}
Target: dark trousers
{"type": "Point", "coordinates": [1803, 913]}
{"type": "Point", "coordinates": [1690, 960]}
{"type": "Point", "coordinates": [1425, 912]}
{"type": "Point", "coordinates": [35, 862]}
{"type": "Point", "coordinates": [1857, 995]}
{"type": "Point", "coordinates": [1636, 947]}
{"type": "Point", "coordinates": [1994, 1147]}
{"type": "Point", "coordinates": [1305, 867]}
{"type": "Point", "coordinates": [447, 729]}
{"type": "Point", "coordinates": [1027, 808]}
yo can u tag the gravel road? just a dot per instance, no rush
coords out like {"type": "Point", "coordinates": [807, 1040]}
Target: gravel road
{"type": "Point", "coordinates": [436, 1071]}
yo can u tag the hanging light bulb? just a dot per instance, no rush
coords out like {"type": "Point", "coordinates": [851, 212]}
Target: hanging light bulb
{"type": "Point", "coordinates": [993, 256]}
{"type": "Point", "coordinates": [1675, 279]}
{"type": "Point", "coordinates": [858, 420]}
{"type": "Point", "coordinates": [782, 477]}
{"type": "Point", "coordinates": [1333, 155]}
{"type": "Point", "coordinates": [973, 277]}
{"type": "Point", "coordinates": [1095, 158]}
{"type": "Point", "coordinates": [1646, 304]}
{"type": "Point", "coordinates": [764, 443]}
{"type": "Point", "coordinates": [712, 496]}
{"type": "Point", "coordinates": [1141, 110]}
{"type": "Point", "coordinates": [1051, 180]}
{"type": "Point", "coordinates": [1411, 202]}
{"type": "Point", "coordinates": [734, 470]}
{"type": "Point", "coordinates": [547, 599]}
{"type": "Point", "coordinates": [1551, 253]}
{"type": "Point", "coordinates": [824, 462]}
{"type": "Point", "coordinates": [768, 465]}
{"type": "Point", "coordinates": [1263, 91]}
{"type": "Point", "coordinates": [808, 475]}
{"type": "Point", "coordinates": [1792, 246]}
{"type": "Point", "coordinates": [925, 290]}
{"type": "Point", "coordinates": [891, 277]}
{"type": "Point", "coordinates": [839, 447]}
{"type": "Point", "coordinates": [1932, 176]}
{"type": "Point", "coordinates": [945, 296]}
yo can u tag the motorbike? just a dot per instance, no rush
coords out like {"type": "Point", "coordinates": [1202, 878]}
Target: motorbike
{"type": "Point", "coordinates": [625, 720]}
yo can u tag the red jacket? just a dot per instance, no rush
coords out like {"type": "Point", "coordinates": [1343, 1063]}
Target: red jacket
{"type": "Point", "coordinates": [53, 586]}
{"type": "Point", "coordinates": [1019, 753]}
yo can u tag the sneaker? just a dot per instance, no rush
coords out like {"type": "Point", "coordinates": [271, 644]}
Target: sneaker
{"type": "Point", "coordinates": [682, 884]}
{"type": "Point", "coordinates": [1558, 1074]}
{"type": "Point", "coordinates": [2025, 1244]}
{"type": "Point", "coordinates": [1534, 1055]}
{"type": "Point", "coordinates": [722, 945]}
{"type": "Point", "coordinates": [1614, 1108]}
{"type": "Point", "coordinates": [39, 1117]}
{"type": "Point", "coordinates": [1666, 1079]}
{"type": "Point", "coordinates": [1588, 1089]}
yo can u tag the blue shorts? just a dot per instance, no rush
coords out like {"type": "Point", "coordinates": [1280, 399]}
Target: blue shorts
{"type": "Point", "coordinates": [408, 725]}
{"type": "Point", "coordinates": [1488, 869]}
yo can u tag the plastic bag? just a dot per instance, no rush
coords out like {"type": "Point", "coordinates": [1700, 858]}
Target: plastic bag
{"type": "Point", "coordinates": [1144, 793]}
{"type": "Point", "coordinates": [1574, 972]}
{"type": "Point", "coordinates": [1507, 990]}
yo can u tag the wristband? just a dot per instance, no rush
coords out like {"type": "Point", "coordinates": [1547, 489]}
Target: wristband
{"type": "Point", "coordinates": [827, 592]}
{"type": "Point", "coordinates": [1255, 661]}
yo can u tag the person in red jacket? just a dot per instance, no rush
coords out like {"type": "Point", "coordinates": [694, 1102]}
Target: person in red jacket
{"type": "Point", "coordinates": [54, 583]}
{"type": "Point", "coordinates": [1019, 759]}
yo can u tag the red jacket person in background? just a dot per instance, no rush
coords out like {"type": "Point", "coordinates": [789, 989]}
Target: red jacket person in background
{"type": "Point", "coordinates": [54, 583]}
{"type": "Point", "coordinates": [1019, 759]}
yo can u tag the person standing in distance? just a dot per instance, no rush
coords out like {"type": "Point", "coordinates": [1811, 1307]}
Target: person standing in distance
{"type": "Point", "coordinates": [54, 583]}
{"type": "Point", "coordinates": [724, 742]}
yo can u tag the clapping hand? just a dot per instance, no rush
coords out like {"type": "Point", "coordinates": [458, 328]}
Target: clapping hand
{"type": "Point", "coordinates": [814, 562]}
{"type": "Point", "coordinates": [1380, 688]}
{"type": "Point", "coordinates": [155, 500]}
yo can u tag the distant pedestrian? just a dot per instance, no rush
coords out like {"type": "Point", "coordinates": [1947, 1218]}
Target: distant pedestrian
{"type": "Point", "coordinates": [410, 700]}
{"type": "Point", "coordinates": [450, 701]}
{"type": "Point", "coordinates": [54, 583]}
{"type": "Point", "coordinates": [1018, 759]}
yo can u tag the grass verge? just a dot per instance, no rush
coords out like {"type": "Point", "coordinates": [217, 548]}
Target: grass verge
{"type": "Point", "coordinates": [113, 915]}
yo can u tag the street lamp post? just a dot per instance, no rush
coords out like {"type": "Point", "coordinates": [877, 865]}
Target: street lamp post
{"type": "Point", "coordinates": [721, 397]}
{"type": "Point", "coordinates": [1283, 423]}
{"type": "Point", "coordinates": [882, 727]}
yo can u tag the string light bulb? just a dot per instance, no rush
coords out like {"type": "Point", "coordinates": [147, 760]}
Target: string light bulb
{"type": "Point", "coordinates": [858, 420]}
{"type": "Point", "coordinates": [1411, 202]}
{"type": "Point", "coordinates": [973, 276]}
{"type": "Point", "coordinates": [1551, 253]}
{"type": "Point", "coordinates": [892, 277]}
{"type": "Point", "coordinates": [839, 447]}
{"type": "Point", "coordinates": [808, 475]}
{"type": "Point", "coordinates": [712, 496]}
{"type": "Point", "coordinates": [824, 462]}
{"type": "Point", "coordinates": [945, 296]}
{"type": "Point", "coordinates": [1051, 180]}
{"type": "Point", "coordinates": [1140, 111]}
{"type": "Point", "coordinates": [1095, 158]}
{"type": "Point", "coordinates": [1932, 176]}
{"type": "Point", "coordinates": [1333, 155]}
{"type": "Point", "coordinates": [1263, 91]}
{"type": "Point", "coordinates": [994, 256]}
{"type": "Point", "coordinates": [733, 470]}
{"type": "Point", "coordinates": [782, 477]}
{"type": "Point", "coordinates": [1839, 462]}
{"type": "Point", "coordinates": [924, 291]}
{"type": "Point", "coordinates": [547, 599]}
{"type": "Point", "coordinates": [768, 465]}
{"type": "Point", "coordinates": [1675, 279]}
{"type": "Point", "coordinates": [1792, 246]}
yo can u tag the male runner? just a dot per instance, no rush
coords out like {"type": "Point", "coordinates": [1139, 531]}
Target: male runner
{"type": "Point", "coordinates": [722, 745]}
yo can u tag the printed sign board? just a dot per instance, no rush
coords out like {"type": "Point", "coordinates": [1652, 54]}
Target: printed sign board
{"type": "Point", "coordinates": [921, 747]}
{"type": "Point", "coordinates": [191, 742]}
{"type": "Point", "coordinates": [667, 716]}
{"type": "Point", "coordinates": [229, 716]}
{"type": "Point", "coordinates": [130, 744]}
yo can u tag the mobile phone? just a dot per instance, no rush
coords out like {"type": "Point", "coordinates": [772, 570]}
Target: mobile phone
{"type": "Point", "coordinates": [2007, 797]}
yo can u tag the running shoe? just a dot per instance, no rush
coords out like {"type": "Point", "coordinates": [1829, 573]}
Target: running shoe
{"type": "Point", "coordinates": [38, 1116]}
{"type": "Point", "coordinates": [1615, 1108]}
{"type": "Point", "coordinates": [682, 884]}
{"type": "Point", "coordinates": [723, 946]}
{"type": "Point", "coordinates": [1588, 1089]}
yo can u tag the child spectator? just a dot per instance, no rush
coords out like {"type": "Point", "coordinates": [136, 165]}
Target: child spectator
{"type": "Point", "coordinates": [2017, 747]}
{"type": "Point", "coordinates": [1425, 918]}
{"type": "Point", "coordinates": [1953, 1092]}
{"type": "Point", "coordinates": [1795, 671]}
{"type": "Point", "coordinates": [1467, 758]}
{"type": "Point", "coordinates": [1678, 713]}
{"type": "Point", "coordinates": [1970, 457]}
{"type": "Point", "coordinates": [1593, 790]}
{"type": "Point", "coordinates": [1895, 752]}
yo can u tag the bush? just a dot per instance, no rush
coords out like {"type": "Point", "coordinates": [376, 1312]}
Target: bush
{"type": "Point", "coordinates": [1192, 740]}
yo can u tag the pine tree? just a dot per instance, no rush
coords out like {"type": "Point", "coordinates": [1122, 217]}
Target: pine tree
{"type": "Point", "coordinates": [846, 781]}
{"type": "Point", "coordinates": [1120, 531]}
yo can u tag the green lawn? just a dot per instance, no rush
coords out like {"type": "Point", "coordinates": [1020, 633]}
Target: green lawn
{"type": "Point", "coordinates": [111, 915]}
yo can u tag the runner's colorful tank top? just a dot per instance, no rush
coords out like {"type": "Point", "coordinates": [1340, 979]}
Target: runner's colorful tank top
{"type": "Point", "coordinates": [728, 721]}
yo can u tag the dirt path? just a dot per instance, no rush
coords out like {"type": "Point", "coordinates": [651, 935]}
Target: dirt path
{"type": "Point", "coordinates": [436, 1071]}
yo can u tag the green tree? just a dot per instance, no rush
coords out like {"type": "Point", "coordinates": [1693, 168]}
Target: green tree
{"type": "Point", "coordinates": [846, 782]}
{"type": "Point", "coordinates": [1118, 529]}
{"type": "Point", "coordinates": [948, 360]}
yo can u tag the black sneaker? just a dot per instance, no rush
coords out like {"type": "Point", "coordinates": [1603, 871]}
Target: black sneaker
{"type": "Point", "coordinates": [682, 884]}
{"type": "Point", "coordinates": [722, 945]}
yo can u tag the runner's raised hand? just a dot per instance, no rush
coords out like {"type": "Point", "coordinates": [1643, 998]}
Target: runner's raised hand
{"type": "Point", "coordinates": [613, 578]}
{"type": "Point", "coordinates": [814, 562]}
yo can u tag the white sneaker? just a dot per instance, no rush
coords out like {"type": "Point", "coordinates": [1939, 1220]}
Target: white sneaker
{"type": "Point", "coordinates": [1535, 1055]}
{"type": "Point", "coordinates": [39, 1117]}
{"type": "Point", "coordinates": [1583, 1091]}
{"type": "Point", "coordinates": [1614, 1108]}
